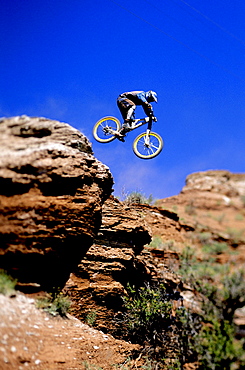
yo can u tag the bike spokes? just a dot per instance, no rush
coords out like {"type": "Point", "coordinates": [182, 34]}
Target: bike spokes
{"type": "Point", "coordinates": [148, 145]}
{"type": "Point", "coordinates": [104, 130]}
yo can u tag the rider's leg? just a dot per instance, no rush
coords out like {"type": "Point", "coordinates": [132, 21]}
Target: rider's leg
{"type": "Point", "coordinates": [130, 114]}
{"type": "Point", "coordinates": [127, 108]}
{"type": "Point", "coordinates": [128, 120]}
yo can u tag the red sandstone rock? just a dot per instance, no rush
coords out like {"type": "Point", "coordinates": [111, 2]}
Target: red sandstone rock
{"type": "Point", "coordinates": [51, 192]}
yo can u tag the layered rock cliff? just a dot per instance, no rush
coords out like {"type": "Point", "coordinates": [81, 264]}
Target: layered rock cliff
{"type": "Point", "coordinates": [52, 189]}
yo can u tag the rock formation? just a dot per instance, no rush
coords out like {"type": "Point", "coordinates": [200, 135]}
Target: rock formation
{"type": "Point", "coordinates": [223, 182]}
{"type": "Point", "coordinates": [117, 258]}
{"type": "Point", "coordinates": [101, 276]}
{"type": "Point", "coordinates": [60, 227]}
{"type": "Point", "coordinates": [51, 192]}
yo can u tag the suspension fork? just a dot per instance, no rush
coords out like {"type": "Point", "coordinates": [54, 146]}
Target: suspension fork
{"type": "Point", "coordinates": [149, 124]}
{"type": "Point", "coordinates": [147, 137]}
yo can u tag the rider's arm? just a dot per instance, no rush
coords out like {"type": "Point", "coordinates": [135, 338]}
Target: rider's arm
{"type": "Point", "coordinates": [148, 109]}
{"type": "Point", "coordinates": [146, 106]}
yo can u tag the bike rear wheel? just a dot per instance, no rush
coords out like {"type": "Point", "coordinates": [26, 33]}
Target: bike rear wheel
{"type": "Point", "coordinates": [102, 129]}
{"type": "Point", "coordinates": [148, 146]}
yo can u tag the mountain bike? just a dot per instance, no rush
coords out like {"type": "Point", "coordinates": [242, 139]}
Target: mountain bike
{"type": "Point", "coordinates": [146, 145]}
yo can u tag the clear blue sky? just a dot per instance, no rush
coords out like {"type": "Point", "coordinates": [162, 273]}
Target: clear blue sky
{"type": "Point", "coordinates": [69, 60]}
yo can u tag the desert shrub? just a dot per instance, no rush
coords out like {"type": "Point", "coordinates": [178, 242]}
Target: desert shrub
{"type": "Point", "coordinates": [7, 283]}
{"type": "Point", "coordinates": [215, 248]}
{"type": "Point", "coordinates": [232, 295]}
{"type": "Point", "coordinates": [193, 268]}
{"type": "Point", "coordinates": [138, 198]}
{"type": "Point", "coordinates": [235, 234]}
{"type": "Point", "coordinates": [204, 238]}
{"type": "Point", "coordinates": [145, 306]}
{"type": "Point", "coordinates": [151, 320]}
{"type": "Point", "coordinates": [188, 259]}
{"type": "Point", "coordinates": [91, 317]}
{"type": "Point", "coordinates": [173, 337]}
{"type": "Point", "coordinates": [223, 292]}
{"type": "Point", "coordinates": [215, 345]}
{"type": "Point", "coordinates": [56, 303]}
{"type": "Point", "coordinates": [156, 242]}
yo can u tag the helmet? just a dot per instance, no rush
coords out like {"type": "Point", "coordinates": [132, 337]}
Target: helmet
{"type": "Point", "coordinates": [151, 96]}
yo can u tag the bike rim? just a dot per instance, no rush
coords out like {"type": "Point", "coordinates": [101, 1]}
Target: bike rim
{"type": "Point", "coordinates": [148, 146]}
{"type": "Point", "coordinates": [100, 130]}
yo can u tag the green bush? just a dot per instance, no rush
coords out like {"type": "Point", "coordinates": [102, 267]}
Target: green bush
{"type": "Point", "coordinates": [207, 338]}
{"type": "Point", "coordinates": [215, 345]}
{"type": "Point", "coordinates": [56, 303]}
{"type": "Point", "coordinates": [215, 248]}
{"type": "Point", "coordinates": [145, 307]}
{"type": "Point", "coordinates": [223, 292]}
{"type": "Point", "coordinates": [91, 317]}
{"type": "Point", "coordinates": [7, 283]}
{"type": "Point", "coordinates": [150, 320]}
{"type": "Point", "coordinates": [156, 242]}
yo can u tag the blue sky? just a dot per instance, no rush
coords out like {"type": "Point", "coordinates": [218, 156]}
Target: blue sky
{"type": "Point", "coordinates": [69, 60]}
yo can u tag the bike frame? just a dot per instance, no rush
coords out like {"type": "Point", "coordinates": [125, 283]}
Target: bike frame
{"type": "Point", "coordinates": [135, 124]}
{"type": "Point", "coordinates": [140, 122]}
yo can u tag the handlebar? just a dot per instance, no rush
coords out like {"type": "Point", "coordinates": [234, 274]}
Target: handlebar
{"type": "Point", "coordinates": [153, 118]}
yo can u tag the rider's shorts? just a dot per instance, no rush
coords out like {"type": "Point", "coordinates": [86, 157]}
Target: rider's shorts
{"type": "Point", "coordinates": [124, 104]}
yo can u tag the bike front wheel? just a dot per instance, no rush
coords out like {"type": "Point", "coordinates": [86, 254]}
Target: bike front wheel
{"type": "Point", "coordinates": [104, 129]}
{"type": "Point", "coordinates": [147, 146]}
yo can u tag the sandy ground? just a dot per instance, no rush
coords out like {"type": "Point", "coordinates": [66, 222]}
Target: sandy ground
{"type": "Point", "coordinates": [32, 339]}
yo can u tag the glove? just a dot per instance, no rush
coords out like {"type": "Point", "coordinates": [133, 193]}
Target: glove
{"type": "Point", "coordinates": [152, 117]}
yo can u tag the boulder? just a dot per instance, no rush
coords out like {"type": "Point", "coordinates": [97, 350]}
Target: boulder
{"type": "Point", "coordinates": [52, 190]}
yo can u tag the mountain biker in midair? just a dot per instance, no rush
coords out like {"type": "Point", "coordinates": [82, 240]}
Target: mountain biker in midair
{"type": "Point", "coordinates": [127, 103]}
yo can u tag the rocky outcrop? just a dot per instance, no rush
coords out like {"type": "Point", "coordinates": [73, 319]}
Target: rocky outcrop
{"type": "Point", "coordinates": [118, 257]}
{"type": "Point", "coordinates": [99, 281]}
{"type": "Point", "coordinates": [214, 189]}
{"type": "Point", "coordinates": [58, 224]}
{"type": "Point", "coordinates": [218, 181]}
{"type": "Point", "coordinates": [52, 189]}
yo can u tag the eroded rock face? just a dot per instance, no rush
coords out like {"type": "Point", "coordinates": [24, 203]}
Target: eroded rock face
{"type": "Point", "coordinates": [52, 189]}
{"type": "Point", "coordinates": [99, 281]}
{"type": "Point", "coordinates": [218, 181]}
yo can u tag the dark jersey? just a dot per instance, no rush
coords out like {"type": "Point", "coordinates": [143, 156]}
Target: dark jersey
{"type": "Point", "coordinates": [137, 97]}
